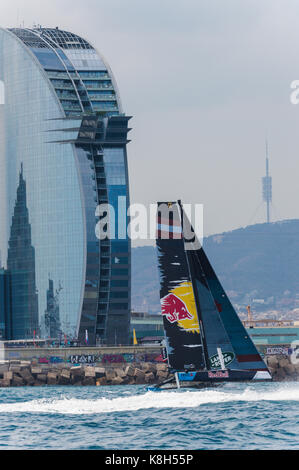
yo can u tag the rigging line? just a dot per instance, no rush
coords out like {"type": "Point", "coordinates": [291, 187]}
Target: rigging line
{"type": "Point", "coordinates": [255, 212]}
{"type": "Point", "coordinates": [197, 304]}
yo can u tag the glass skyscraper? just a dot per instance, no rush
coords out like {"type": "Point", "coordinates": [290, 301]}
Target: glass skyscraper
{"type": "Point", "coordinates": [63, 140]}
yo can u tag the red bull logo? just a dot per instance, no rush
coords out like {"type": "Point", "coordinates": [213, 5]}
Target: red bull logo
{"type": "Point", "coordinates": [174, 308]}
{"type": "Point", "coordinates": [218, 374]}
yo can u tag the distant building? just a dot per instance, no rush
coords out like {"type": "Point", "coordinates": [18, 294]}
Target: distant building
{"type": "Point", "coordinates": [149, 329]}
{"type": "Point", "coordinates": [63, 139]}
{"type": "Point", "coordinates": [21, 266]}
{"type": "Point", "coordinates": [52, 320]}
{"type": "Point", "coordinates": [5, 305]}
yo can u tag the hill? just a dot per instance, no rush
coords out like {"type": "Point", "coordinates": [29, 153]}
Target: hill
{"type": "Point", "coordinates": [257, 264]}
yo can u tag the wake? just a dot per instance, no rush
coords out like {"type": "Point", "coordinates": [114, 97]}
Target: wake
{"type": "Point", "coordinates": [156, 400]}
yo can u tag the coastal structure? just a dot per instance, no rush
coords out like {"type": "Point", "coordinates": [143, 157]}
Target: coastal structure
{"type": "Point", "coordinates": [63, 138]}
{"type": "Point", "coordinates": [266, 334]}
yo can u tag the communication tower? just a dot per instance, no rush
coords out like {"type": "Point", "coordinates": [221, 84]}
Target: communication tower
{"type": "Point", "coordinates": [267, 186]}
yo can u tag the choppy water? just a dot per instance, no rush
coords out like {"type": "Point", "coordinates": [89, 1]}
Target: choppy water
{"type": "Point", "coordinates": [234, 416]}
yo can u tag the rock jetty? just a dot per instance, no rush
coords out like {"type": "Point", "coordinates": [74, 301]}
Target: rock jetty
{"type": "Point", "coordinates": [17, 373]}
{"type": "Point", "coordinates": [24, 373]}
{"type": "Point", "coordinates": [282, 369]}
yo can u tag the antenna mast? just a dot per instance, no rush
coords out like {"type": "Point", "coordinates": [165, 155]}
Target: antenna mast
{"type": "Point", "coordinates": [267, 186]}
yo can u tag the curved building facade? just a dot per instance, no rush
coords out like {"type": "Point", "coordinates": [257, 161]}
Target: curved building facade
{"type": "Point", "coordinates": [63, 140]}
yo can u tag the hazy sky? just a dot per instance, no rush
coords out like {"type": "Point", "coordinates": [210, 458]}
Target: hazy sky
{"type": "Point", "coordinates": [205, 82]}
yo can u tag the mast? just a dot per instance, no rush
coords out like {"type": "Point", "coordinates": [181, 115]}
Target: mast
{"type": "Point", "coordinates": [201, 326]}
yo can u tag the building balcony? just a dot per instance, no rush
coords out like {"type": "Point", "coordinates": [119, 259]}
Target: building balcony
{"type": "Point", "coordinates": [101, 97]}
{"type": "Point", "coordinates": [99, 87]}
{"type": "Point", "coordinates": [63, 86]}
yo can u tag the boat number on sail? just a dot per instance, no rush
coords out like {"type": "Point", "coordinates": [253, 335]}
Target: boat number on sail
{"type": "Point", "coordinates": [228, 357]}
{"type": "Point", "coordinates": [174, 309]}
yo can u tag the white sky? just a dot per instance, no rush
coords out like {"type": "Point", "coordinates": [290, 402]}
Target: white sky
{"type": "Point", "coordinates": [205, 81]}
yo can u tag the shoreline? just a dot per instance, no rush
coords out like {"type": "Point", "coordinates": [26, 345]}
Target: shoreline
{"type": "Point", "coordinates": [21, 373]}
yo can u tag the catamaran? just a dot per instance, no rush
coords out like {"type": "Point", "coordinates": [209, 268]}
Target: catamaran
{"type": "Point", "coordinates": [205, 341]}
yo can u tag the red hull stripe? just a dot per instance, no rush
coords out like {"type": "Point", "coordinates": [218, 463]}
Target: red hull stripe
{"type": "Point", "coordinates": [249, 358]}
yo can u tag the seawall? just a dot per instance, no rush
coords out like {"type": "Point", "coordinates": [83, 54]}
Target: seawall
{"type": "Point", "coordinates": [16, 373]}
{"type": "Point", "coordinates": [21, 373]}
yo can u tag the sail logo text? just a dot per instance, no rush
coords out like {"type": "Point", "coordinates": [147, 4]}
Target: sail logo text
{"type": "Point", "coordinates": [228, 357]}
{"type": "Point", "coordinates": [174, 309]}
{"type": "Point", "coordinates": [218, 375]}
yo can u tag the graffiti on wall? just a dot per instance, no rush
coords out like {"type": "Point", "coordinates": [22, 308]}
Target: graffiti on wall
{"type": "Point", "coordinates": [279, 351]}
{"type": "Point", "coordinates": [121, 358]}
{"type": "Point", "coordinates": [82, 359]}
{"type": "Point", "coordinates": [130, 357]}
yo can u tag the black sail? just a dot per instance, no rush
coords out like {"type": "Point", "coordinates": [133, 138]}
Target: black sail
{"type": "Point", "coordinates": [202, 329]}
{"type": "Point", "coordinates": [223, 328]}
{"type": "Point", "coordinates": [183, 334]}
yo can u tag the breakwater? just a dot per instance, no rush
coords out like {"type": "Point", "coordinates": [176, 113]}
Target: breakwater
{"type": "Point", "coordinates": [282, 368]}
{"type": "Point", "coordinates": [24, 373]}
{"type": "Point", "coordinates": [17, 373]}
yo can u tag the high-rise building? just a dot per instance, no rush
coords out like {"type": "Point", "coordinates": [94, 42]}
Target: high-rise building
{"type": "Point", "coordinates": [63, 138]}
{"type": "Point", "coordinates": [5, 305]}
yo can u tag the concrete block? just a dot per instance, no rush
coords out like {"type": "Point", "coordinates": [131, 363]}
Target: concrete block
{"type": "Point", "coordinates": [8, 375]}
{"type": "Point", "coordinates": [4, 383]}
{"type": "Point", "coordinates": [117, 381]}
{"type": "Point", "coordinates": [110, 374]}
{"type": "Point", "coordinates": [149, 377]}
{"type": "Point", "coordinates": [90, 371]}
{"type": "Point", "coordinates": [77, 370]}
{"type": "Point", "coordinates": [162, 374]}
{"type": "Point", "coordinates": [41, 378]}
{"type": "Point", "coordinates": [120, 373]}
{"type": "Point", "coordinates": [161, 366]}
{"type": "Point", "coordinates": [88, 381]}
{"type": "Point", "coordinates": [272, 361]}
{"type": "Point", "coordinates": [17, 381]}
{"type": "Point", "coordinates": [283, 362]}
{"type": "Point", "coordinates": [15, 368]}
{"type": "Point", "coordinates": [139, 373]}
{"type": "Point", "coordinates": [52, 378]}
{"type": "Point", "coordinates": [289, 369]}
{"type": "Point", "coordinates": [65, 374]}
{"type": "Point", "coordinates": [140, 380]}
{"type": "Point", "coordinates": [4, 368]}
{"type": "Point", "coordinates": [149, 367]}
{"type": "Point", "coordinates": [280, 374]}
{"type": "Point", "coordinates": [129, 371]}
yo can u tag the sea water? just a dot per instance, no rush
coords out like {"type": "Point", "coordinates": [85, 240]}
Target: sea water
{"type": "Point", "coordinates": [233, 416]}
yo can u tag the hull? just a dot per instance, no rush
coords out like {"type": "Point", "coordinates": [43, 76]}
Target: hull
{"type": "Point", "coordinates": [228, 375]}
{"type": "Point", "coordinates": [211, 378]}
{"type": "Point", "coordinates": [173, 386]}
